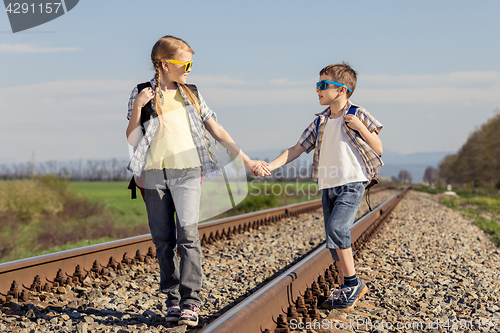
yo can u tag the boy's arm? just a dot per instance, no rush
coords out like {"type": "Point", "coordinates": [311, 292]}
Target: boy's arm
{"type": "Point", "coordinates": [287, 156]}
{"type": "Point", "coordinates": [371, 138]}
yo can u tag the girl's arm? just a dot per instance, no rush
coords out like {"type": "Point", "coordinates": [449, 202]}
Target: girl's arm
{"type": "Point", "coordinates": [371, 138]}
{"type": "Point", "coordinates": [222, 136]}
{"type": "Point", "coordinates": [134, 127]}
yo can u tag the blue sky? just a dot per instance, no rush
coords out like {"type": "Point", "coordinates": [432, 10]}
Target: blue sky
{"type": "Point", "coordinates": [428, 70]}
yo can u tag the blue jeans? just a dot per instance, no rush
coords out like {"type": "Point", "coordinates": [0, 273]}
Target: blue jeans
{"type": "Point", "coordinates": [170, 191]}
{"type": "Point", "coordinates": [340, 205]}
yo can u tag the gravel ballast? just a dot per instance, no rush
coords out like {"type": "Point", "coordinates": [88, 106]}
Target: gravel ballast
{"type": "Point", "coordinates": [428, 268]}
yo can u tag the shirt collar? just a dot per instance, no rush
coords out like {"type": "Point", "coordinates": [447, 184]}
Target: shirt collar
{"type": "Point", "coordinates": [153, 83]}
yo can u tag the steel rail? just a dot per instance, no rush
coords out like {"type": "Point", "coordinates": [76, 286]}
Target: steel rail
{"type": "Point", "coordinates": [16, 274]}
{"type": "Point", "coordinates": [256, 312]}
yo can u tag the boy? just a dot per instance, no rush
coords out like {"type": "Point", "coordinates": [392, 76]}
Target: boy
{"type": "Point", "coordinates": [346, 158]}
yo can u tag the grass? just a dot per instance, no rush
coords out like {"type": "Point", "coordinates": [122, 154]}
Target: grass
{"type": "Point", "coordinates": [45, 215]}
{"type": "Point", "coordinates": [48, 214]}
{"type": "Point", "coordinates": [475, 205]}
{"type": "Point", "coordinates": [115, 197]}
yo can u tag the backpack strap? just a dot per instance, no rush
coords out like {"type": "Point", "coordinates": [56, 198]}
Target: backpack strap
{"type": "Point", "coordinates": [147, 111]}
{"type": "Point", "coordinates": [132, 187]}
{"type": "Point", "coordinates": [352, 110]}
{"type": "Point", "coordinates": [143, 85]}
{"type": "Point", "coordinates": [194, 90]}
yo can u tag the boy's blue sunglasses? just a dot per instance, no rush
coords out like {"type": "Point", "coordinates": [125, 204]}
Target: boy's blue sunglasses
{"type": "Point", "coordinates": [323, 84]}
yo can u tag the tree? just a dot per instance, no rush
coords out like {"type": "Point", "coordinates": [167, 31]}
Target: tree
{"type": "Point", "coordinates": [478, 160]}
{"type": "Point", "coordinates": [404, 176]}
{"type": "Point", "coordinates": [430, 175]}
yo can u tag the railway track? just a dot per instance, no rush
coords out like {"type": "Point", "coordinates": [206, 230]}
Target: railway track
{"type": "Point", "coordinates": [71, 268]}
{"type": "Point", "coordinates": [300, 288]}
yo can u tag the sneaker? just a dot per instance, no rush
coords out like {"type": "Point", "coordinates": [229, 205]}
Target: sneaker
{"type": "Point", "coordinates": [173, 314]}
{"type": "Point", "coordinates": [345, 298]}
{"type": "Point", "coordinates": [189, 315]}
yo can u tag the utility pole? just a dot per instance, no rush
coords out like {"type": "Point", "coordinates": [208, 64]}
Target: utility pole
{"type": "Point", "coordinates": [33, 165]}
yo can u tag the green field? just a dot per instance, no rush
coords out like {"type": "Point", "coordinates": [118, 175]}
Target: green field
{"type": "Point", "coordinates": [115, 197]}
{"type": "Point", "coordinates": [48, 214]}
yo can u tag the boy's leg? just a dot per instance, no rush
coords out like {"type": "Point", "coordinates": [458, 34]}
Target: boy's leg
{"type": "Point", "coordinates": [160, 209]}
{"type": "Point", "coordinates": [341, 272]}
{"type": "Point", "coordinates": [343, 202]}
{"type": "Point", "coordinates": [340, 205]}
{"type": "Point", "coordinates": [345, 264]}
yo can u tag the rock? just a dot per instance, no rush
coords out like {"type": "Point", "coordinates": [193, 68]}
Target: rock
{"type": "Point", "coordinates": [61, 290]}
{"type": "Point", "coordinates": [149, 313]}
{"type": "Point", "coordinates": [75, 315]}
{"type": "Point", "coordinates": [82, 327]}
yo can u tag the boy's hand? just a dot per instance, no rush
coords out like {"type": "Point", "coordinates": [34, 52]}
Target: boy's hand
{"type": "Point", "coordinates": [353, 122]}
{"type": "Point", "coordinates": [262, 169]}
{"type": "Point", "coordinates": [258, 168]}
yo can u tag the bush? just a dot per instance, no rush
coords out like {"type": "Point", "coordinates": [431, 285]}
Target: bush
{"type": "Point", "coordinates": [38, 214]}
{"type": "Point", "coordinates": [29, 200]}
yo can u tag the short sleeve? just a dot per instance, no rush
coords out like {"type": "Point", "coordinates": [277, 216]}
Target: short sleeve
{"type": "Point", "coordinates": [205, 112]}
{"type": "Point", "coordinates": [308, 138]}
{"type": "Point", "coordinates": [369, 121]}
{"type": "Point", "coordinates": [131, 101]}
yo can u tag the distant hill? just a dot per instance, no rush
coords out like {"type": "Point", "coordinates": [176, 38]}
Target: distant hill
{"type": "Point", "coordinates": [415, 163]}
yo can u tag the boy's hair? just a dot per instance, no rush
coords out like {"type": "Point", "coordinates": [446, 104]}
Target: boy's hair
{"type": "Point", "coordinates": [342, 73]}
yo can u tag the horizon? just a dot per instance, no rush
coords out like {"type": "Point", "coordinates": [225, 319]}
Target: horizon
{"type": "Point", "coordinates": [66, 83]}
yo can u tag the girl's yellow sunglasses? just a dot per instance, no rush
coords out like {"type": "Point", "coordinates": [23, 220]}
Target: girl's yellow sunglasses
{"type": "Point", "coordinates": [186, 64]}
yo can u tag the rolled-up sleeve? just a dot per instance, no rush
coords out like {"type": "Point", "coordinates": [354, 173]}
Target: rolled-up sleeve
{"type": "Point", "coordinates": [308, 138]}
{"type": "Point", "coordinates": [369, 121]}
{"type": "Point", "coordinates": [205, 112]}
{"type": "Point", "coordinates": [131, 101]}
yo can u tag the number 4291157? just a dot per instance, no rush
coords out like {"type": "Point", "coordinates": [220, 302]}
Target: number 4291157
{"type": "Point", "coordinates": [23, 8]}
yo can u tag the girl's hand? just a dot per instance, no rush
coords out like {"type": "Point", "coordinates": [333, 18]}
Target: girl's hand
{"type": "Point", "coordinates": [353, 122]}
{"type": "Point", "coordinates": [144, 97]}
{"type": "Point", "coordinates": [258, 168]}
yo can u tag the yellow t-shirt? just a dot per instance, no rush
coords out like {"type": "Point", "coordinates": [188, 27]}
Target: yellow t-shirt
{"type": "Point", "coordinates": [172, 146]}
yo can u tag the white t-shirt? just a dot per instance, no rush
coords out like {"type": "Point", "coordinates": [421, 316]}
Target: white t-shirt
{"type": "Point", "coordinates": [339, 162]}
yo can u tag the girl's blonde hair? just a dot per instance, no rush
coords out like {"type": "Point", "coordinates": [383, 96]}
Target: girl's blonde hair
{"type": "Point", "coordinates": [167, 47]}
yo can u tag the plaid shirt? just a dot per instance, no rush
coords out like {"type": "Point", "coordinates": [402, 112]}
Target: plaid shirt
{"type": "Point", "coordinates": [310, 139]}
{"type": "Point", "coordinates": [209, 164]}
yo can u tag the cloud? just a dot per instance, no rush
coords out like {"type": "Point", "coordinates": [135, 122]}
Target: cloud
{"type": "Point", "coordinates": [66, 101]}
{"type": "Point", "coordinates": [224, 80]}
{"type": "Point", "coordinates": [447, 80]}
{"type": "Point", "coordinates": [29, 48]}
{"type": "Point", "coordinates": [445, 95]}
{"type": "Point", "coordinates": [218, 81]}
{"type": "Point", "coordinates": [64, 88]}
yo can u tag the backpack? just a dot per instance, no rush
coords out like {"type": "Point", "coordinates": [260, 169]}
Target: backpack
{"type": "Point", "coordinates": [146, 113]}
{"type": "Point", "coordinates": [375, 179]}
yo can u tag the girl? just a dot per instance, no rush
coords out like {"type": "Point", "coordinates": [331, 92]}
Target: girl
{"type": "Point", "coordinates": [172, 151]}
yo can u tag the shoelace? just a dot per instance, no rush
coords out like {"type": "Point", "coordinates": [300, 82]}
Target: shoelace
{"type": "Point", "coordinates": [339, 294]}
{"type": "Point", "coordinates": [190, 312]}
{"type": "Point", "coordinates": [174, 310]}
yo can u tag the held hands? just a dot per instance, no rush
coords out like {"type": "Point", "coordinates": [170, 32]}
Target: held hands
{"type": "Point", "coordinates": [144, 97]}
{"type": "Point", "coordinates": [353, 122]}
{"type": "Point", "coordinates": [258, 168]}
